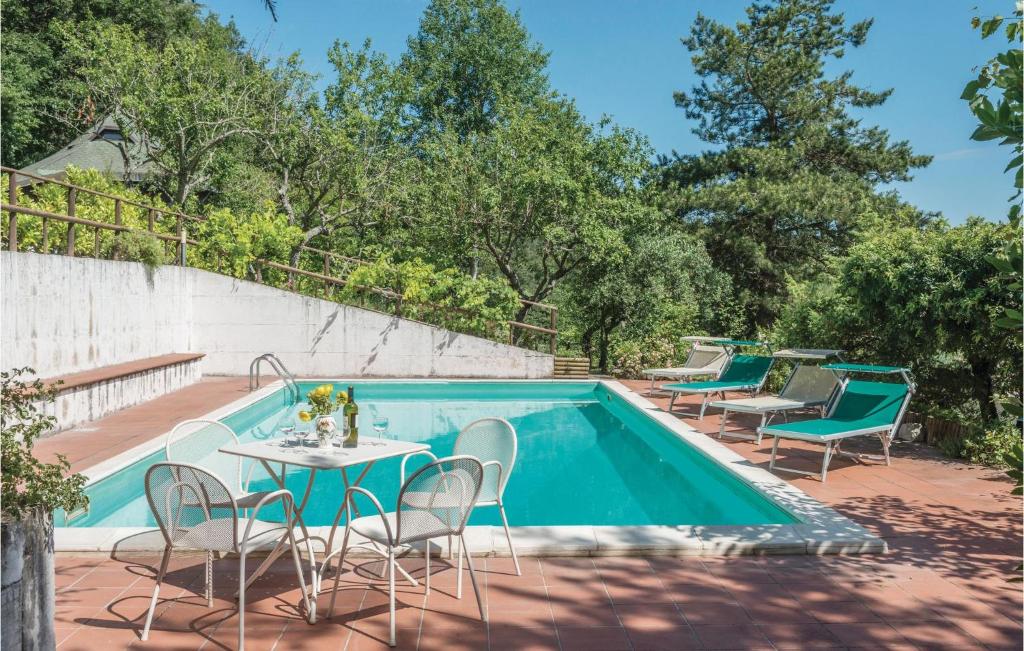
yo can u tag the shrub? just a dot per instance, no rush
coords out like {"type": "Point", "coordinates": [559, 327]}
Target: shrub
{"type": "Point", "coordinates": [229, 243]}
{"type": "Point", "coordinates": [27, 482]}
{"type": "Point", "coordinates": [448, 298]}
{"type": "Point", "coordinates": [992, 445]}
{"type": "Point", "coordinates": [139, 246]}
{"type": "Point", "coordinates": [631, 356]}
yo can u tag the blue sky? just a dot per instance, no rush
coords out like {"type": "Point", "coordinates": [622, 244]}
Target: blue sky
{"type": "Point", "coordinates": [623, 58]}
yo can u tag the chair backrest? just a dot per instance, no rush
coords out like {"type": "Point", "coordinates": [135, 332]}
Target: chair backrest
{"type": "Point", "coordinates": [198, 442]}
{"type": "Point", "coordinates": [702, 356]}
{"type": "Point", "coordinates": [437, 499]}
{"type": "Point", "coordinates": [810, 384]}
{"type": "Point", "coordinates": [747, 369]}
{"type": "Point", "coordinates": [874, 403]}
{"type": "Point", "coordinates": [490, 439]}
{"type": "Point", "coordinates": [194, 508]}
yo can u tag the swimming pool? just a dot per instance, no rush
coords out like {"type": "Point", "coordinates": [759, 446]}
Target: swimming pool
{"type": "Point", "coordinates": [586, 457]}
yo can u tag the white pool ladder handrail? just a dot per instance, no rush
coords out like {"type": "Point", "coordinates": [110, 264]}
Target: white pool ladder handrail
{"type": "Point", "coordinates": [279, 368]}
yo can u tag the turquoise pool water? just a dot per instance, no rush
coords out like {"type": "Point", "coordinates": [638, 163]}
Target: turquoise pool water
{"type": "Point", "coordinates": [586, 457]}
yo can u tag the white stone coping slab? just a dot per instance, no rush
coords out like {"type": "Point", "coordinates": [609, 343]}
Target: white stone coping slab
{"type": "Point", "coordinates": [819, 530]}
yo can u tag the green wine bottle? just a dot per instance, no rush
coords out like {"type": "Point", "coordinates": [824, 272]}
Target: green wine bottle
{"type": "Point", "coordinates": [352, 415]}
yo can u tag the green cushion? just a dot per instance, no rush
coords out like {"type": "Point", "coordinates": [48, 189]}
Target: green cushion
{"type": "Point", "coordinates": [743, 372]}
{"type": "Point", "coordinates": [863, 405]}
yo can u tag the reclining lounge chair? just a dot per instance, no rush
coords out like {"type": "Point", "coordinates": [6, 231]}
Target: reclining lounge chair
{"type": "Point", "coordinates": [705, 358]}
{"type": "Point", "coordinates": [862, 408]}
{"type": "Point", "coordinates": [742, 373]}
{"type": "Point", "coordinates": [807, 387]}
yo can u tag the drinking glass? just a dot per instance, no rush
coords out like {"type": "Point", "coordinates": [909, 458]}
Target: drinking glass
{"type": "Point", "coordinates": [380, 425]}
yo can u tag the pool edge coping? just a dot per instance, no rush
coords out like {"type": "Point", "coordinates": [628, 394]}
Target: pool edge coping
{"type": "Point", "coordinates": [819, 530]}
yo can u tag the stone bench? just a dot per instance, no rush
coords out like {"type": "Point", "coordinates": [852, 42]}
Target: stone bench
{"type": "Point", "coordinates": [89, 395]}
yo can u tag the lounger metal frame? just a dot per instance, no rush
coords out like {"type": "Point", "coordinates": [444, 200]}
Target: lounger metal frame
{"type": "Point", "coordinates": [833, 442]}
{"type": "Point", "coordinates": [767, 414]}
{"type": "Point", "coordinates": [753, 389]}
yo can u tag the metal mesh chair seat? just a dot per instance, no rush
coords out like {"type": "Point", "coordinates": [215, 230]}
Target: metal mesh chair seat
{"type": "Point", "coordinates": [210, 534]}
{"type": "Point", "coordinates": [424, 523]}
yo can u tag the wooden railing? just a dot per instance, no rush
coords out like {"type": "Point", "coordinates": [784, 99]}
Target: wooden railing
{"type": "Point", "coordinates": [335, 266]}
{"type": "Point", "coordinates": [11, 207]}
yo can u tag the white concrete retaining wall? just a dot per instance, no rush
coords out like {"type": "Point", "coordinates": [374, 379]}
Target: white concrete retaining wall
{"type": "Point", "coordinates": [89, 402]}
{"type": "Point", "coordinates": [62, 315]}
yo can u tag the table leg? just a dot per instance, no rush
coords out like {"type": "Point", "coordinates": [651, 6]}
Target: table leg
{"type": "Point", "coordinates": [297, 514]}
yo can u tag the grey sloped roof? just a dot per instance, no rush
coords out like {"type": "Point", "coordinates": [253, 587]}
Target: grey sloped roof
{"type": "Point", "coordinates": [91, 151]}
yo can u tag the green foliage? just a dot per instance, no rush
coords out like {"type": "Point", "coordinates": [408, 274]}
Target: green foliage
{"type": "Point", "coordinates": [54, 198]}
{"type": "Point", "coordinates": [798, 176]}
{"type": "Point", "coordinates": [231, 244]}
{"type": "Point", "coordinates": [139, 246]}
{"type": "Point", "coordinates": [467, 57]}
{"type": "Point", "coordinates": [27, 482]}
{"type": "Point", "coordinates": [662, 286]}
{"type": "Point", "coordinates": [1014, 460]}
{"type": "Point", "coordinates": [631, 356]}
{"type": "Point", "coordinates": [993, 445]}
{"type": "Point", "coordinates": [42, 105]}
{"type": "Point", "coordinates": [444, 297]}
{"type": "Point", "coordinates": [995, 95]}
{"type": "Point", "coordinates": [192, 98]}
{"type": "Point", "coordinates": [923, 298]}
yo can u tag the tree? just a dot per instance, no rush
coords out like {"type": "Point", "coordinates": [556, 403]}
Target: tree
{"type": "Point", "coordinates": [41, 105]}
{"type": "Point", "coordinates": [663, 284]}
{"type": "Point", "coordinates": [798, 176]}
{"type": "Point", "coordinates": [538, 195]}
{"type": "Point", "coordinates": [927, 298]}
{"type": "Point", "coordinates": [468, 56]}
{"type": "Point", "coordinates": [187, 101]}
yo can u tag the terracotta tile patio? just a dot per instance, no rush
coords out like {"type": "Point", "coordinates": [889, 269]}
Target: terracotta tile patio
{"type": "Point", "coordinates": [953, 530]}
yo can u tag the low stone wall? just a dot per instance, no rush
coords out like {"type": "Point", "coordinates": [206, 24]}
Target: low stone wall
{"type": "Point", "coordinates": [62, 315]}
{"type": "Point", "coordinates": [91, 401]}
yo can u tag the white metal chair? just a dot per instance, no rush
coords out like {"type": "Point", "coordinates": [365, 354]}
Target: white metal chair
{"type": "Point", "coordinates": [199, 441]}
{"type": "Point", "coordinates": [493, 441]}
{"type": "Point", "coordinates": [196, 510]}
{"type": "Point", "coordinates": [434, 502]}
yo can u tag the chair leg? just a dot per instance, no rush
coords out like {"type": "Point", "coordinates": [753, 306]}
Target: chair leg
{"type": "Point", "coordinates": [297, 559]}
{"type": "Point", "coordinates": [458, 575]}
{"type": "Point", "coordinates": [721, 423]}
{"type": "Point", "coordinates": [451, 550]}
{"type": "Point", "coordinates": [472, 578]}
{"type": "Point", "coordinates": [337, 576]}
{"type": "Point", "coordinates": [672, 401]}
{"type": "Point", "coordinates": [775, 450]}
{"type": "Point", "coordinates": [760, 433]}
{"type": "Point", "coordinates": [156, 591]}
{"type": "Point", "coordinates": [391, 595]}
{"type": "Point", "coordinates": [703, 406]}
{"type": "Point", "coordinates": [824, 462]}
{"type": "Point", "coordinates": [508, 536]}
{"type": "Point", "coordinates": [426, 577]}
{"type": "Point", "coordinates": [209, 579]}
{"type": "Point", "coordinates": [884, 436]}
{"type": "Point", "coordinates": [241, 601]}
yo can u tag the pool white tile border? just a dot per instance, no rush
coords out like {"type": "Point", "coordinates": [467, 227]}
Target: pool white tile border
{"type": "Point", "coordinates": [820, 530]}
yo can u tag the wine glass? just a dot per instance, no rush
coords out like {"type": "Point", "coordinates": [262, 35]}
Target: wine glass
{"type": "Point", "coordinates": [380, 425]}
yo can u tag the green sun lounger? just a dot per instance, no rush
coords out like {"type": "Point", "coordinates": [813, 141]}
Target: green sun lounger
{"type": "Point", "coordinates": [862, 408]}
{"type": "Point", "coordinates": [743, 373]}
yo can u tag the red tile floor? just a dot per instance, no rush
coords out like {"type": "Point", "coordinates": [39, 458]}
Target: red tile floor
{"type": "Point", "coordinates": [953, 530]}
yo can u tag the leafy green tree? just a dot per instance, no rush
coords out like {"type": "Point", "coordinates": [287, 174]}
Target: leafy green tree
{"type": "Point", "coordinates": [42, 106]}
{"type": "Point", "coordinates": [662, 285]}
{"type": "Point", "coordinates": [924, 298]}
{"type": "Point", "coordinates": [337, 160]}
{"type": "Point", "coordinates": [187, 100]}
{"type": "Point", "coordinates": [539, 195]}
{"type": "Point", "coordinates": [467, 57]}
{"type": "Point", "coordinates": [798, 175]}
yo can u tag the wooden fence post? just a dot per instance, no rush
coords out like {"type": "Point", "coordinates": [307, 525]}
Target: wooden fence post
{"type": "Point", "coordinates": [72, 199]}
{"type": "Point", "coordinates": [12, 218]}
{"type": "Point", "coordinates": [117, 234]}
{"type": "Point", "coordinates": [553, 337]}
